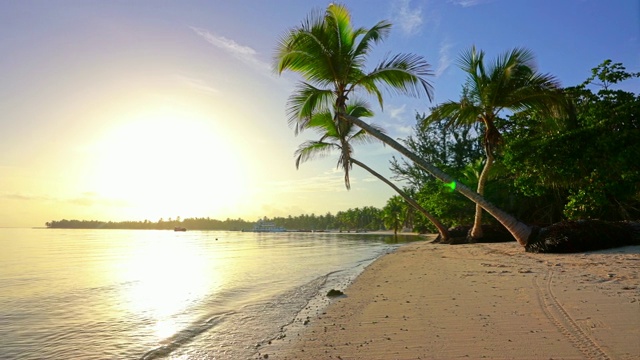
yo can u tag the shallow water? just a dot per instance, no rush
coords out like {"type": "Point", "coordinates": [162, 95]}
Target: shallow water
{"type": "Point", "coordinates": [116, 294]}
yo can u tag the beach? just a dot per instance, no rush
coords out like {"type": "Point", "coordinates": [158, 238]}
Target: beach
{"type": "Point", "coordinates": [474, 301]}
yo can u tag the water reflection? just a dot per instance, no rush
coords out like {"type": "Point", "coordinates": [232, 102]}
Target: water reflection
{"type": "Point", "coordinates": [165, 274]}
{"type": "Point", "coordinates": [95, 294]}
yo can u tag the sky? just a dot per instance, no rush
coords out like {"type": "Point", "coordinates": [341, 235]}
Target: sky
{"type": "Point", "coordinates": [120, 110]}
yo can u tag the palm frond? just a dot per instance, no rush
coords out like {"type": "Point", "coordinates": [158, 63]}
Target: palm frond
{"type": "Point", "coordinates": [310, 150]}
{"type": "Point", "coordinates": [455, 113]}
{"type": "Point", "coordinates": [298, 45]}
{"type": "Point", "coordinates": [362, 137]}
{"type": "Point", "coordinates": [469, 59]}
{"type": "Point", "coordinates": [310, 51]}
{"type": "Point", "coordinates": [322, 120]}
{"type": "Point", "coordinates": [370, 37]}
{"type": "Point", "coordinates": [359, 108]}
{"type": "Point", "coordinates": [306, 101]}
{"type": "Point", "coordinates": [339, 39]}
{"type": "Point", "coordinates": [403, 73]}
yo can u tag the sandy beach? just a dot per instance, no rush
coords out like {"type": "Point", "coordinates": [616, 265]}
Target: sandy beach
{"type": "Point", "coordinates": [477, 301]}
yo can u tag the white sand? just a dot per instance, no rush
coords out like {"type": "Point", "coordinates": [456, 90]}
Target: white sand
{"type": "Point", "coordinates": [477, 301]}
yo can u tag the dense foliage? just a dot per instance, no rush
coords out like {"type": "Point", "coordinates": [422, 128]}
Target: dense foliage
{"type": "Point", "coordinates": [509, 83]}
{"type": "Point", "coordinates": [585, 166]}
{"type": "Point", "coordinates": [366, 218]}
{"type": "Point", "coordinates": [330, 55]}
{"type": "Point", "coordinates": [457, 153]}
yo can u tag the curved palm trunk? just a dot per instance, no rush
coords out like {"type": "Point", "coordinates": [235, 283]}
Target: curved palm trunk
{"type": "Point", "coordinates": [519, 230]}
{"type": "Point", "coordinates": [476, 230]}
{"type": "Point", "coordinates": [442, 230]}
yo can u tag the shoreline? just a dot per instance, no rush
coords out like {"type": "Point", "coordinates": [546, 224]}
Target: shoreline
{"type": "Point", "coordinates": [430, 301]}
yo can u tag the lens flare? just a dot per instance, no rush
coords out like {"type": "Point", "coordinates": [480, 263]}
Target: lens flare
{"type": "Point", "coordinates": [451, 185]}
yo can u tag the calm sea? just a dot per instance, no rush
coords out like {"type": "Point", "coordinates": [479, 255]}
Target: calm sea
{"type": "Point", "coordinates": [144, 294]}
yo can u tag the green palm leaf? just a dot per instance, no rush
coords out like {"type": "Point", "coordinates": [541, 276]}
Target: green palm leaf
{"type": "Point", "coordinates": [331, 56]}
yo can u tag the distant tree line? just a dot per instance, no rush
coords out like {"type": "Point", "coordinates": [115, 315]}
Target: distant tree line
{"type": "Point", "coordinates": [169, 224]}
{"type": "Point", "coordinates": [367, 218]}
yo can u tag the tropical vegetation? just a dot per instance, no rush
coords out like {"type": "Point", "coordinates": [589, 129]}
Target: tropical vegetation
{"type": "Point", "coordinates": [331, 56]}
{"type": "Point", "coordinates": [341, 136]}
{"type": "Point", "coordinates": [510, 83]}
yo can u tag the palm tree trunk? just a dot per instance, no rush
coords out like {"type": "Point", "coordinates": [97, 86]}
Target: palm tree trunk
{"type": "Point", "coordinates": [518, 230]}
{"type": "Point", "coordinates": [442, 230]}
{"type": "Point", "coordinates": [476, 230]}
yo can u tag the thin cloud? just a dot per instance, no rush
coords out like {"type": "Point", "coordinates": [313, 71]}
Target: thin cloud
{"type": "Point", "coordinates": [404, 130]}
{"type": "Point", "coordinates": [396, 120]}
{"type": "Point", "coordinates": [444, 58]}
{"type": "Point", "coordinates": [244, 53]}
{"type": "Point", "coordinates": [370, 179]}
{"type": "Point", "coordinates": [197, 84]}
{"type": "Point", "coordinates": [22, 197]}
{"type": "Point", "coordinates": [397, 112]}
{"type": "Point", "coordinates": [90, 198]}
{"type": "Point", "coordinates": [330, 181]}
{"type": "Point", "coordinates": [84, 199]}
{"type": "Point", "coordinates": [410, 20]}
{"type": "Point", "coordinates": [468, 3]}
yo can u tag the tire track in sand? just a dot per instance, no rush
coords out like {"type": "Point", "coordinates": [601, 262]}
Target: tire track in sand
{"type": "Point", "coordinates": [559, 316]}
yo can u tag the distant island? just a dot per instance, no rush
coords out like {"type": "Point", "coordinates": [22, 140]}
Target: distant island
{"type": "Point", "coordinates": [366, 218]}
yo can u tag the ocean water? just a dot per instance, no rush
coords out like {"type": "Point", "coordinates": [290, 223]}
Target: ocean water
{"type": "Point", "coordinates": [144, 294]}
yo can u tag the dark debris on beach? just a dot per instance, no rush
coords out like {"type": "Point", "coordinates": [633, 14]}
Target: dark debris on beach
{"type": "Point", "coordinates": [563, 237]}
{"type": "Point", "coordinates": [584, 235]}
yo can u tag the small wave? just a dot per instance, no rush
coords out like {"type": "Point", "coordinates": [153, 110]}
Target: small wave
{"type": "Point", "coordinates": [315, 299]}
{"type": "Point", "coordinates": [183, 337]}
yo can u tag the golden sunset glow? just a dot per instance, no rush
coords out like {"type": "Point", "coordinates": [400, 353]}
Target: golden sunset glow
{"type": "Point", "coordinates": [169, 161]}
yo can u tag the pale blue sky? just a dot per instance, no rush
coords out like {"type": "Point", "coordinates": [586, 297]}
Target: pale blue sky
{"type": "Point", "coordinates": [143, 109]}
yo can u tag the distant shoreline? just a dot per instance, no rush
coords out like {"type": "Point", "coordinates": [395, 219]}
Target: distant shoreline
{"type": "Point", "coordinates": [376, 232]}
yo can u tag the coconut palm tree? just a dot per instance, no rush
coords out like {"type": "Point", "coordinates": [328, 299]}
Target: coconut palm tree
{"type": "Point", "coordinates": [510, 83]}
{"type": "Point", "coordinates": [340, 136]}
{"type": "Point", "coordinates": [393, 213]}
{"type": "Point", "coordinates": [331, 56]}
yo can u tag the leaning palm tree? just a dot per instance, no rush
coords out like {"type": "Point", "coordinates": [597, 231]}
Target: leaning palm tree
{"type": "Point", "coordinates": [340, 136]}
{"type": "Point", "coordinates": [331, 55]}
{"type": "Point", "coordinates": [510, 83]}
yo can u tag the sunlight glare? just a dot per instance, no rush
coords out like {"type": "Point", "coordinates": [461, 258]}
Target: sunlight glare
{"type": "Point", "coordinates": [167, 274]}
{"type": "Point", "coordinates": [170, 162]}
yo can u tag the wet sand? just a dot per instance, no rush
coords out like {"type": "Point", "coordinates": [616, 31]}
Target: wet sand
{"type": "Point", "coordinates": [494, 301]}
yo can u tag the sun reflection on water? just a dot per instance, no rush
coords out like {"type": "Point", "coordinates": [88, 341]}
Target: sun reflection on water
{"type": "Point", "coordinates": [166, 275]}
{"type": "Point", "coordinates": [164, 329]}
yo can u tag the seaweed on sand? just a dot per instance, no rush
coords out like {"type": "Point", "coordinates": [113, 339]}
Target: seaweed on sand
{"type": "Point", "coordinates": [334, 293]}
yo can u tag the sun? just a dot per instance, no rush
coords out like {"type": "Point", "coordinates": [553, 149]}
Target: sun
{"type": "Point", "coordinates": [170, 162]}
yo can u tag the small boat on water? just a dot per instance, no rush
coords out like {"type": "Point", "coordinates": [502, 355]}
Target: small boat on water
{"type": "Point", "coordinates": [177, 228]}
{"type": "Point", "coordinates": [267, 226]}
